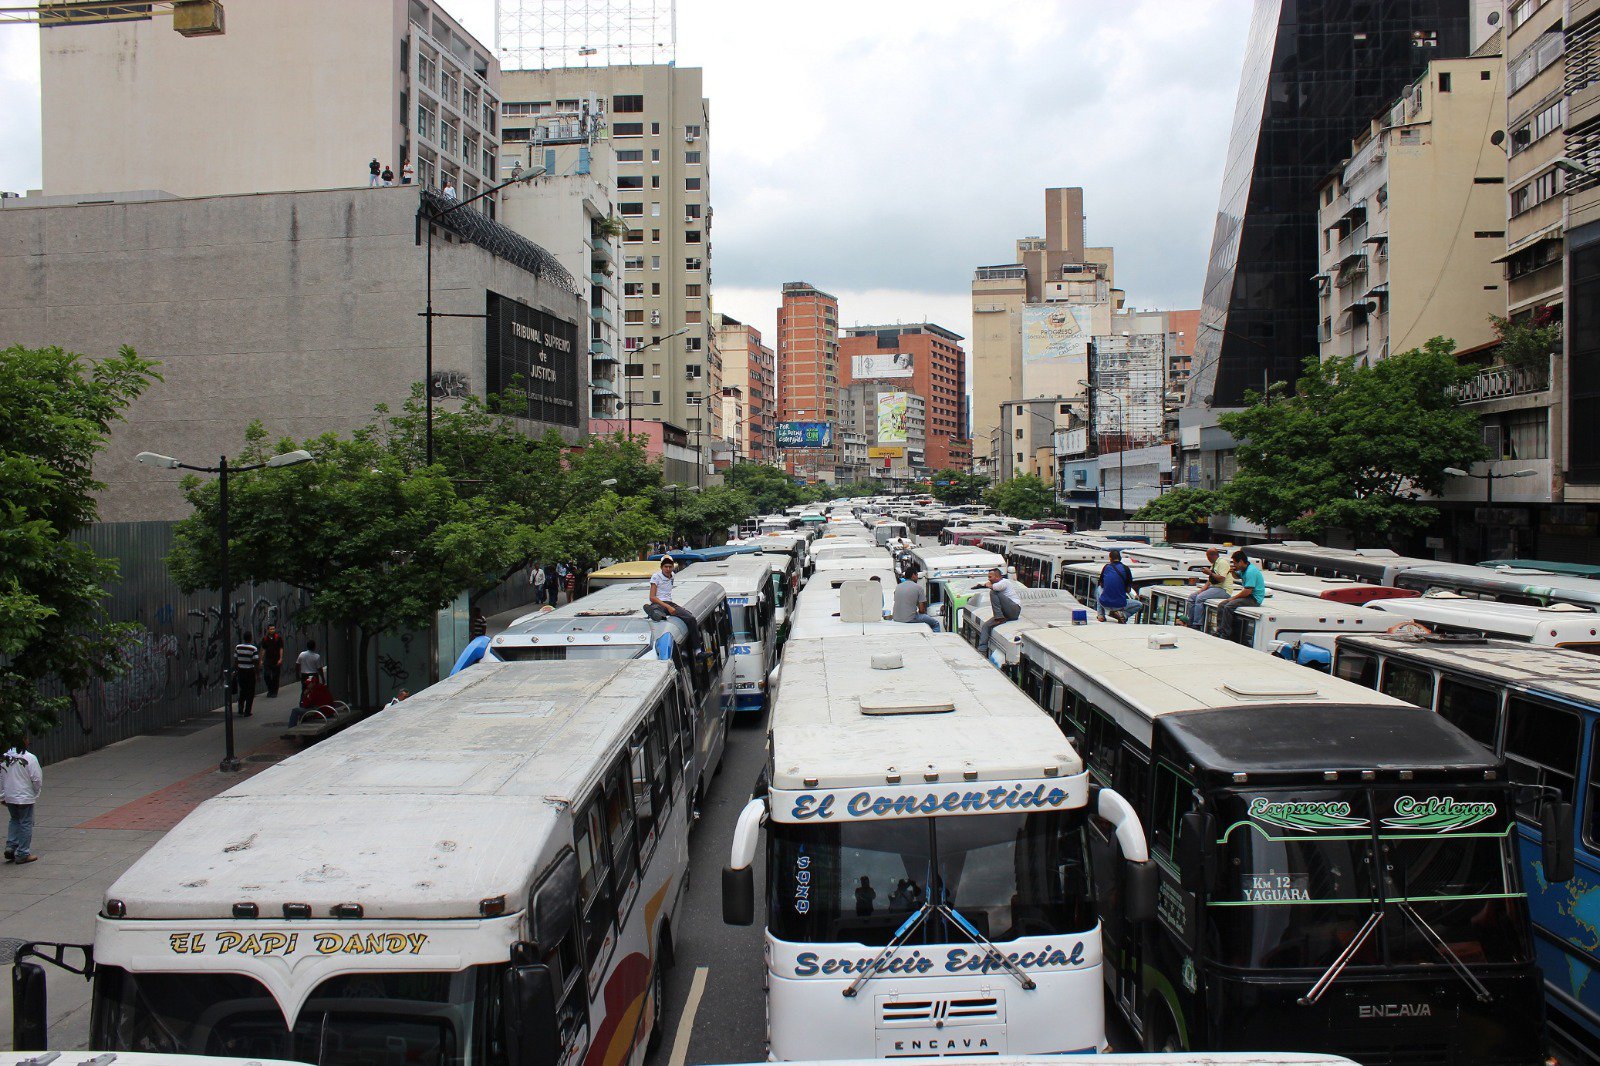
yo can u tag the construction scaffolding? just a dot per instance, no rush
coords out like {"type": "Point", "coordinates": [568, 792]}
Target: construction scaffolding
{"type": "Point", "coordinates": [545, 34]}
{"type": "Point", "coordinates": [1128, 377]}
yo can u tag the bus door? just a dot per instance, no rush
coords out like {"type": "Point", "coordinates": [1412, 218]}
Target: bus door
{"type": "Point", "coordinates": [1170, 942]}
{"type": "Point", "coordinates": [1114, 763]}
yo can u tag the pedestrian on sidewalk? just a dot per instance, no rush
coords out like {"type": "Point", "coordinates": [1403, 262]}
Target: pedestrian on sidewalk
{"type": "Point", "coordinates": [21, 781]}
{"type": "Point", "coordinates": [537, 578]}
{"type": "Point", "coordinates": [308, 665]}
{"type": "Point", "coordinates": [479, 624]}
{"type": "Point", "coordinates": [272, 660]}
{"type": "Point", "coordinates": [375, 168]}
{"type": "Point", "coordinates": [387, 175]}
{"type": "Point", "coordinates": [246, 662]}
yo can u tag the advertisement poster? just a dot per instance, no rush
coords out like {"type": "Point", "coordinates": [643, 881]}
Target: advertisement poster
{"type": "Point", "coordinates": [881, 365]}
{"type": "Point", "coordinates": [805, 434]}
{"type": "Point", "coordinates": [1055, 348]}
{"type": "Point", "coordinates": [891, 418]}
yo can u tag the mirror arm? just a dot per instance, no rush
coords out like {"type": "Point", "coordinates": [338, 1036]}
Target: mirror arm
{"type": "Point", "coordinates": [1110, 805]}
{"type": "Point", "coordinates": [747, 834]}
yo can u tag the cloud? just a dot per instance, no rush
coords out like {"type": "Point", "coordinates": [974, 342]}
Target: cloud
{"type": "Point", "coordinates": [19, 104]}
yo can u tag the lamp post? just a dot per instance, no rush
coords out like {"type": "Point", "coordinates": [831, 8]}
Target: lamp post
{"type": "Point", "coordinates": [429, 314]}
{"type": "Point", "coordinates": [1488, 477]}
{"type": "Point", "coordinates": [230, 761]}
{"type": "Point", "coordinates": [627, 382]}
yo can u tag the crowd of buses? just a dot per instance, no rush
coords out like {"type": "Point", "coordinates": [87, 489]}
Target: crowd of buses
{"type": "Point", "coordinates": [1365, 824]}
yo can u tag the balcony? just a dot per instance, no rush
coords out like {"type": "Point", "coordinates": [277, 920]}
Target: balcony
{"type": "Point", "coordinates": [601, 313]}
{"type": "Point", "coordinates": [1500, 382]}
{"type": "Point", "coordinates": [602, 247]}
{"type": "Point", "coordinates": [600, 351]}
{"type": "Point", "coordinates": [601, 280]}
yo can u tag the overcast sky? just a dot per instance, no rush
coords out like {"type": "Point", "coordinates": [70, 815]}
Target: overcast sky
{"type": "Point", "coordinates": [882, 149]}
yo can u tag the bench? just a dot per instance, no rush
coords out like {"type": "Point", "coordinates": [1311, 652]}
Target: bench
{"type": "Point", "coordinates": [318, 722]}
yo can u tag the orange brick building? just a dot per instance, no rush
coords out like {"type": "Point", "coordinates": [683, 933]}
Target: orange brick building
{"type": "Point", "coordinates": [808, 370]}
{"type": "Point", "coordinates": [930, 362]}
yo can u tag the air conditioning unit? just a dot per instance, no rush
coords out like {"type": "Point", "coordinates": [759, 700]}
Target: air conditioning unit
{"type": "Point", "coordinates": [690, 137]}
{"type": "Point", "coordinates": [655, 318]}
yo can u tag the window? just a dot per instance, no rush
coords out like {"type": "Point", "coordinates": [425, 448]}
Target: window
{"type": "Point", "coordinates": [691, 236]}
{"type": "Point", "coordinates": [655, 262]}
{"type": "Point", "coordinates": [425, 70]}
{"type": "Point", "coordinates": [692, 263]}
{"type": "Point", "coordinates": [515, 134]}
{"type": "Point", "coordinates": [633, 262]}
{"type": "Point", "coordinates": [627, 129]}
{"type": "Point", "coordinates": [1489, 234]}
{"type": "Point", "coordinates": [1521, 11]}
{"type": "Point", "coordinates": [1542, 748]}
{"type": "Point", "coordinates": [691, 316]}
{"type": "Point", "coordinates": [655, 236]}
{"type": "Point", "coordinates": [691, 344]}
{"type": "Point", "coordinates": [1533, 193]}
{"type": "Point", "coordinates": [633, 316]}
{"type": "Point", "coordinates": [692, 291]}
{"type": "Point", "coordinates": [691, 184]}
{"type": "Point", "coordinates": [595, 899]}
{"type": "Point", "coordinates": [633, 208]}
{"type": "Point", "coordinates": [1591, 803]}
{"type": "Point", "coordinates": [1536, 127]}
{"type": "Point", "coordinates": [691, 131]}
{"type": "Point", "coordinates": [655, 209]}
{"type": "Point", "coordinates": [1528, 435]}
{"type": "Point", "coordinates": [1471, 708]}
{"type": "Point", "coordinates": [655, 155]}
{"type": "Point", "coordinates": [1444, 81]}
{"type": "Point", "coordinates": [655, 181]}
{"type": "Point", "coordinates": [655, 288]}
{"type": "Point", "coordinates": [633, 236]}
{"type": "Point", "coordinates": [631, 155]}
{"type": "Point", "coordinates": [630, 181]}
{"type": "Point", "coordinates": [633, 288]}
{"type": "Point", "coordinates": [627, 105]}
{"type": "Point", "coordinates": [424, 122]}
{"type": "Point", "coordinates": [1407, 683]}
{"type": "Point", "coordinates": [691, 210]}
{"type": "Point", "coordinates": [1533, 60]}
{"type": "Point", "coordinates": [655, 129]}
{"type": "Point", "coordinates": [691, 159]}
{"type": "Point", "coordinates": [655, 396]}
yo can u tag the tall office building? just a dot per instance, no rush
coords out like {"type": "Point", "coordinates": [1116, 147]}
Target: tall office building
{"type": "Point", "coordinates": [656, 120]}
{"type": "Point", "coordinates": [297, 95]}
{"type": "Point", "coordinates": [747, 366]}
{"type": "Point", "coordinates": [808, 372]}
{"type": "Point", "coordinates": [923, 360]}
{"type": "Point", "coordinates": [1314, 73]}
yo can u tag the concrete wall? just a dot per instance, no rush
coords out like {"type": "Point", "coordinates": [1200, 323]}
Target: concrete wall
{"type": "Point", "coordinates": [299, 309]}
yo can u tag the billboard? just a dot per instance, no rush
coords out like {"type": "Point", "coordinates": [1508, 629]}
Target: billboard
{"type": "Point", "coordinates": [805, 434]}
{"type": "Point", "coordinates": [532, 362]}
{"type": "Point", "coordinates": [1055, 348]}
{"type": "Point", "coordinates": [891, 452]}
{"type": "Point", "coordinates": [891, 418]}
{"type": "Point", "coordinates": [881, 365]}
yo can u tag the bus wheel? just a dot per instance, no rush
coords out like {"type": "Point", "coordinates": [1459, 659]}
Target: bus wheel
{"type": "Point", "coordinates": [1161, 1033]}
{"type": "Point", "coordinates": [658, 991]}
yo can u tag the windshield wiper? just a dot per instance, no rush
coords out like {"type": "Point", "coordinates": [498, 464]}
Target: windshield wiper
{"type": "Point", "coordinates": [993, 952]}
{"type": "Point", "coordinates": [1446, 953]}
{"type": "Point", "coordinates": [906, 929]}
{"type": "Point", "coordinates": [1337, 968]}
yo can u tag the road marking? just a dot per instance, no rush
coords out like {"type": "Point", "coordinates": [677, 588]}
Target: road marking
{"type": "Point", "coordinates": [680, 1041]}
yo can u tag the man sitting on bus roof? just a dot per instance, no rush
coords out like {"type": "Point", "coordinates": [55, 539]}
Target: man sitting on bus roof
{"type": "Point", "coordinates": [1005, 605]}
{"type": "Point", "coordinates": [1252, 592]}
{"type": "Point", "coordinates": [661, 598]}
{"type": "Point", "coordinates": [911, 601]}
{"type": "Point", "coordinates": [1214, 590]}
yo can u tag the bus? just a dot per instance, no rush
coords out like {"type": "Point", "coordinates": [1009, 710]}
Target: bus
{"type": "Point", "coordinates": [1531, 587]}
{"type": "Point", "coordinates": [928, 882]}
{"type": "Point", "coordinates": [952, 567]}
{"type": "Point", "coordinates": [1039, 563]}
{"type": "Point", "coordinates": [1561, 625]}
{"type": "Point", "coordinates": [1338, 589]}
{"type": "Point", "coordinates": [1589, 570]}
{"type": "Point", "coordinates": [1298, 628]}
{"type": "Point", "coordinates": [1336, 867]}
{"type": "Point", "coordinates": [1040, 607]}
{"type": "Point", "coordinates": [613, 624]}
{"type": "Point", "coordinates": [1540, 709]}
{"type": "Point", "coordinates": [630, 572]}
{"type": "Point", "coordinates": [746, 581]}
{"type": "Point", "coordinates": [1374, 566]}
{"type": "Point", "coordinates": [491, 872]}
{"type": "Point", "coordinates": [1083, 580]}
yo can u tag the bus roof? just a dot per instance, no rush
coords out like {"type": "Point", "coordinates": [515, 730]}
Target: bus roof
{"type": "Point", "coordinates": [422, 811]}
{"type": "Point", "coordinates": [1161, 670]}
{"type": "Point", "coordinates": [737, 576]}
{"type": "Point", "coordinates": [1559, 623]}
{"type": "Point", "coordinates": [640, 569]}
{"type": "Point", "coordinates": [825, 734]}
{"type": "Point", "coordinates": [1534, 584]}
{"type": "Point", "coordinates": [611, 615]}
{"type": "Point", "coordinates": [934, 558]}
{"type": "Point", "coordinates": [1570, 675]}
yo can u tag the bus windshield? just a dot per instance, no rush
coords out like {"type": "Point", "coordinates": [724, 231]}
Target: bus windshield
{"type": "Point", "coordinates": [403, 1019]}
{"type": "Point", "coordinates": [1300, 871]}
{"type": "Point", "coordinates": [1010, 875]}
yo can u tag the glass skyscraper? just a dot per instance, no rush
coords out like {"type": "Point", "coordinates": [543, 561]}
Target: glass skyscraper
{"type": "Point", "coordinates": [1314, 72]}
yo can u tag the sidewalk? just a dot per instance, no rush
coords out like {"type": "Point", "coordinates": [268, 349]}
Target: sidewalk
{"type": "Point", "coordinates": [100, 812]}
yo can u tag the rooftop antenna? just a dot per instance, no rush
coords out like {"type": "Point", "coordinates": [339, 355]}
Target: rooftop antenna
{"type": "Point", "coordinates": [546, 34]}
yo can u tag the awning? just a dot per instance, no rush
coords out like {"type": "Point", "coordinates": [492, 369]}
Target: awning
{"type": "Point", "coordinates": [1544, 236]}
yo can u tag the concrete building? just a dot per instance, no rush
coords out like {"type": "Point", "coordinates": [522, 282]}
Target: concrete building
{"type": "Point", "coordinates": [893, 424]}
{"type": "Point", "coordinates": [566, 211]}
{"type": "Point", "coordinates": [1031, 431]}
{"type": "Point", "coordinates": [1032, 320]}
{"type": "Point", "coordinates": [747, 365]}
{"type": "Point", "coordinates": [1412, 225]}
{"type": "Point", "coordinates": [298, 94]}
{"type": "Point", "coordinates": [923, 359]}
{"type": "Point", "coordinates": [657, 121]}
{"type": "Point", "coordinates": [808, 374]}
{"type": "Point", "coordinates": [1575, 388]}
{"type": "Point", "coordinates": [299, 309]}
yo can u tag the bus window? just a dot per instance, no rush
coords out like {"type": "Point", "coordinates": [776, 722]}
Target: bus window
{"type": "Point", "coordinates": [594, 887]}
{"type": "Point", "coordinates": [1244, 631]}
{"type": "Point", "coordinates": [1102, 744]}
{"type": "Point", "coordinates": [572, 1011]}
{"type": "Point", "coordinates": [659, 752]}
{"type": "Point", "coordinates": [641, 778]}
{"type": "Point", "coordinates": [1542, 748]}
{"type": "Point", "coordinates": [1473, 710]}
{"type": "Point", "coordinates": [1358, 667]}
{"type": "Point", "coordinates": [680, 733]}
{"type": "Point", "coordinates": [1074, 717]}
{"type": "Point", "coordinates": [1174, 797]}
{"type": "Point", "coordinates": [1591, 797]}
{"type": "Point", "coordinates": [1407, 683]}
{"type": "Point", "coordinates": [620, 827]}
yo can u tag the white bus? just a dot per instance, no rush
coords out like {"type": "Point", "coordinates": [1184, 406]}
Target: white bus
{"type": "Point", "coordinates": [1040, 607]}
{"type": "Point", "coordinates": [746, 580]}
{"type": "Point", "coordinates": [1083, 580]}
{"type": "Point", "coordinates": [1560, 625]}
{"type": "Point", "coordinates": [490, 872]}
{"type": "Point", "coordinates": [1299, 628]}
{"type": "Point", "coordinates": [953, 569]}
{"type": "Point", "coordinates": [612, 624]}
{"type": "Point", "coordinates": [1315, 872]}
{"type": "Point", "coordinates": [928, 888]}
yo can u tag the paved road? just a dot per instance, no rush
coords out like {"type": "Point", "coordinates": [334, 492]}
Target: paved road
{"type": "Point", "coordinates": [715, 988]}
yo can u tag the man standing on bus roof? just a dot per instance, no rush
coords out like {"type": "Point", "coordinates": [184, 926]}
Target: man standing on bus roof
{"type": "Point", "coordinates": [1116, 586]}
{"type": "Point", "coordinates": [661, 597]}
{"type": "Point", "coordinates": [1005, 605]}
{"type": "Point", "coordinates": [1252, 591]}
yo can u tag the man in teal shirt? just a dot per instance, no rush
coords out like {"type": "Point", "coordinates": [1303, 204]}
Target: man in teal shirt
{"type": "Point", "coordinates": [1252, 590]}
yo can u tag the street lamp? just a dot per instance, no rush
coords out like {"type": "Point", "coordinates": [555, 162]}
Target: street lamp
{"type": "Point", "coordinates": [1488, 477]}
{"type": "Point", "coordinates": [627, 382]}
{"type": "Point", "coordinates": [430, 314]}
{"type": "Point", "coordinates": [230, 762]}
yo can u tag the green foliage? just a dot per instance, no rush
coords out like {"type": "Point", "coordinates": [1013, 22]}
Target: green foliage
{"type": "Point", "coordinates": [768, 488]}
{"type": "Point", "coordinates": [1182, 507]}
{"type": "Point", "coordinates": [961, 487]}
{"type": "Point", "coordinates": [1524, 345]}
{"type": "Point", "coordinates": [58, 410]}
{"type": "Point", "coordinates": [1355, 447]}
{"type": "Point", "coordinates": [1027, 496]}
{"type": "Point", "coordinates": [702, 517]}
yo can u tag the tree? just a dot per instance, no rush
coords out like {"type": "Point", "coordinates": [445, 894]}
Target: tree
{"type": "Point", "coordinates": [1525, 345]}
{"type": "Point", "coordinates": [1027, 496]}
{"type": "Point", "coordinates": [1355, 447]}
{"type": "Point", "coordinates": [1183, 507]}
{"type": "Point", "coordinates": [58, 412]}
{"type": "Point", "coordinates": [703, 517]}
{"type": "Point", "coordinates": [958, 487]}
{"type": "Point", "coordinates": [768, 488]}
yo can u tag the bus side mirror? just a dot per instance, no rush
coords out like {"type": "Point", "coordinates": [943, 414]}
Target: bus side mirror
{"type": "Point", "coordinates": [30, 1020]}
{"type": "Point", "coordinates": [738, 896]}
{"type": "Point", "coordinates": [1555, 825]}
{"type": "Point", "coordinates": [1140, 897]}
{"type": "Point", "coordinates": [1193, 829]}
{"type": "Point", "coordinates": [528, 996]}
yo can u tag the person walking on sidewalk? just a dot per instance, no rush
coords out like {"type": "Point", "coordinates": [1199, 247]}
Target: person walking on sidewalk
{"type": "Point", "coordinates": [308, 664]}
{"type": "Point", "coordinates": [21, 781]}
{"type": "Point", "coordinates": [272, 660]}
{"type": "Point", "coordinates": [246, 662]}
{"type": "Point", "coordinates": [478, 623]}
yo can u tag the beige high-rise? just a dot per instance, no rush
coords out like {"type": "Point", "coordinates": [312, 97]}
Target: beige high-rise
{"type": "Point", "coordinates": [657, 121]}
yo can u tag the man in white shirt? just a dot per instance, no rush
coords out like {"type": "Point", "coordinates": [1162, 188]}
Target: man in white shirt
{"type": "Point", "coordinates": [661, 596]}
{"type": "Point", "coordinates": [308, 664]}
{"type": "Point", "coordinates": [21, 781]}
{"type": "Point", "coordinates": [1005, 605]}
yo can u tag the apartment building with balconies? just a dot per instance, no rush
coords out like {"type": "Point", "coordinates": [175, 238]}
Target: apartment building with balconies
{"type": "Point", "coordinates": [747, 367]}
{"type": "Point", "coordinates": [808, 376]}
